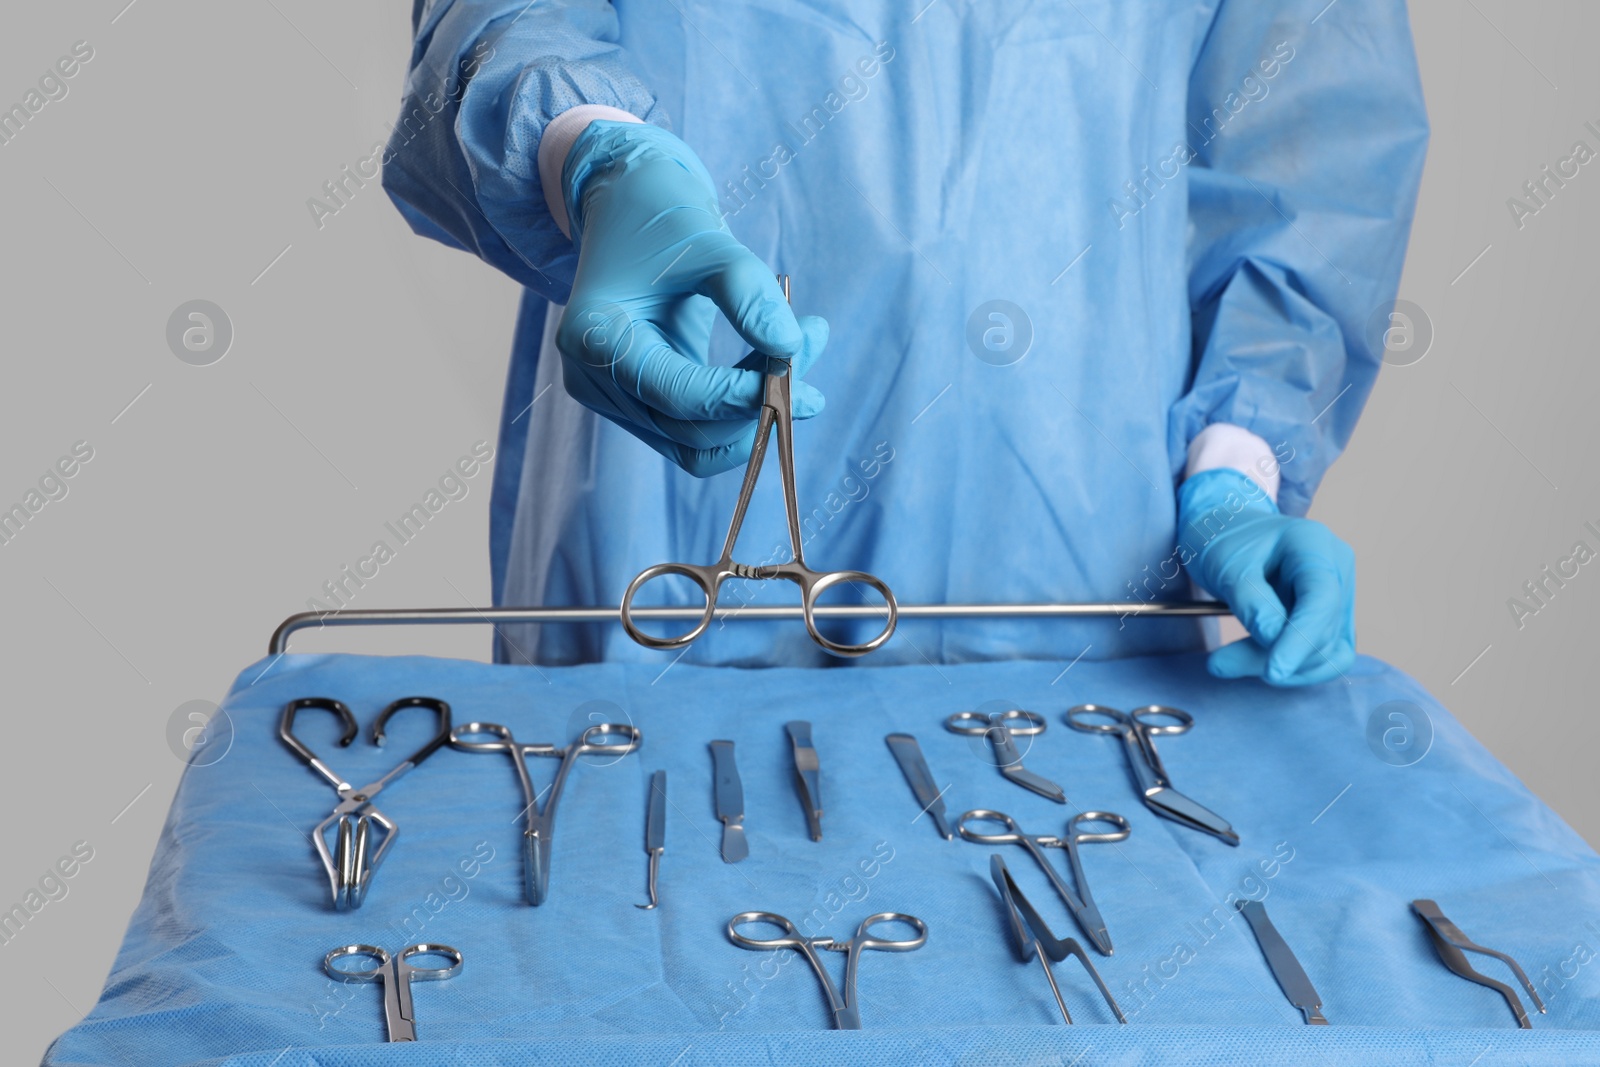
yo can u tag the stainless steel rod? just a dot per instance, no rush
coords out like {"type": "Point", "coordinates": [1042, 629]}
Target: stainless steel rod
{"type": "Point", "coordinates": [307, 620]}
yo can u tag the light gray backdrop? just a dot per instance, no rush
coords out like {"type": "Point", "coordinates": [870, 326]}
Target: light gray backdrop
{"type": "Point", "coordinates": [364, 362]}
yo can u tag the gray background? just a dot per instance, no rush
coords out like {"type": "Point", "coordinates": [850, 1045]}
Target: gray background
{"type": "Point", "coordinates": [365, 361]}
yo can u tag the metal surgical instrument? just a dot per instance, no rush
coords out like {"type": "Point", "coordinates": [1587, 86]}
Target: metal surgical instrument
{"type": "Point", "coordinates": [396, 974]}
{"type": "Point", "coordinates": [1138, 738]}
{"type": "Point", "coordinates": [807, 775]}
{"type": "Point", "coordinates": [997, 729]}
{"type": "Point", "coordinates": [1292, 978]}
{"type": "Point", "coordinates": [728, 792]}
{"type": "Point", "coordinates": [354, 858]}
{"type": "Point", "coordinates": [1449, 941]}
{"type": "Point", "coordinates": [1034, 938]}
{"type": "Point", "coordinates": [540, 826]}
{"type": "Point", "coordinates": [776, 410]}
{"type": "Point", "coordinates": [655, 831]}
{"type": "Point", "coordinates": [846, 1011]}
{"type": "Point", "coordinates": [908, 754]}
{"type": "Point", "coordinates": [1081, 904]}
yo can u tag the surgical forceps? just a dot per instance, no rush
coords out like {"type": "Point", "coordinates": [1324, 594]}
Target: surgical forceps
{"type": "Point", "coordinates": [396, 974]}
{"type": "Point", "coordinates": [1035, 939]}
{"type": "Point", "coordinates": [1138, 735]}
{"type": "Point", "coordinates": [846, 1011]}
{"type": "Point", "coordinates": [776, 410]}
{"type": "Point", "coordinates": [999, 732]}
{"type": "Point", "coordinates": [1081, 904]}
{"type": "Point", "coordinates": [352, 861]}
{"type": "Point", "coordinates": [540, 826]}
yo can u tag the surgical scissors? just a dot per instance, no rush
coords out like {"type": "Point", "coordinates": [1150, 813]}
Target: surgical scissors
{"type": "Point", "coordinates": [997, 729]}
{"type": "Point", "coordinates": [846, 1011]}
{"type": "Point", "coordinates": [352, 861]}
{"type": "Point", "coordinates": [776, 411]}
{"type": "Point", "coordinates": [1085, 912]}
{"type": "Point", "coordinates": [396, 974]}
{"type": "Point", "coordinates": [1138, 738]}
{"type": "Point", "coordinates": [540, 826]}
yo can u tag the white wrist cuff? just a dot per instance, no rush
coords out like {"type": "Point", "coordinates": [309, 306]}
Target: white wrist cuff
{"type": "Point", "coordinates": [557, 141]}
{"type": "Point", "coordinates": [1222, 445]}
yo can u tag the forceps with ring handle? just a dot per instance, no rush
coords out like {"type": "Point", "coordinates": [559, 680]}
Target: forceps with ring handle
{"type": "Point", "coordinates": [539, 831]}
{"type": "Point", "coordinates": [396, 973]}
{"type": "Point", "coordinates": [997, 728]}
{"type": "Point", "coordinates": [776, 410]}
{"type": "Point", "coordinates": [352, 861]}
{"type": "Point", "coordinates": [1138, 735]}
{"type": "Point", "coordinates": [846, 1010]}
{"type": "Point", "coordinates": [1085, 912]}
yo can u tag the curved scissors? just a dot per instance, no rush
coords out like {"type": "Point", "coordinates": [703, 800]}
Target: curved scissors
{"type": "Point", "coordinates": [776, 410]}
{"type": "Point", "coordinates": [1138, 729]}
{"type": "Point", "coordinates": [396, 974]}
{"type": "Point", "coordinates": [540, 826]}
{"type": "Point", "coordinates": [846, 1011]}
{"type": "Point", "coordinates": [352, 861]}
{"type": "Point", "coordinates": [1085, 912]}
{"type": "Point", "coordinates": [998, 730]}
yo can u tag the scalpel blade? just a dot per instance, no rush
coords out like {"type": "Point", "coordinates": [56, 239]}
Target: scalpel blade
{"type": "Point", "coordinates": [729, 793]}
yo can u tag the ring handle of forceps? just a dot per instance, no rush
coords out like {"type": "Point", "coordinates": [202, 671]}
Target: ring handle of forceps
{"type": "Point", "coordinates": [1123, 720]}
{"type": "Point", "coordinates": [586, 747]}
{"type": "Point", "coordinates": [374, 974]}
{"type": "Point", "coordinates": [982, 723]}
{"type": "Point", "coordinates": [709, 579]}
{"type": "Point", "coordinates": [506, 742]}
{"type": "Point", "coordinates": [813, 584]}
{"type": "Point", "coordinates": [1013, 835]}
{"type": "Point", "coordinates": [1100, 837]}
{"type": "Point", "coordinates": [794, 939]}
{"type": "Point", "coordinates": [286, 724]}
{"type": "Point", "coordinates": [440, 737]}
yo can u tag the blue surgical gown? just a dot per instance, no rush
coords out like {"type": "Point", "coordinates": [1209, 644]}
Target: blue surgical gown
{"type": "Point", "coordinates": [1182, 213]}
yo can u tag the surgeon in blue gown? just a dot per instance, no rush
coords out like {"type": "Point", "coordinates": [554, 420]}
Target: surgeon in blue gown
{"type": "Point", "coordinates": [1083, 295]}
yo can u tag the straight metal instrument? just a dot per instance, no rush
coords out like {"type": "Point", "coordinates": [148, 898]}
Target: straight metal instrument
{"type": "Point", "coordinates": [655, 831]}
{"type": "Point", "coordinates": [1286, 969]}
{"type": "Point", "coordinates": [807, 775]}
{"type": "Point", "coordinates": [908, 754]}
{"type": "Point", "coordinates": [729, 793]}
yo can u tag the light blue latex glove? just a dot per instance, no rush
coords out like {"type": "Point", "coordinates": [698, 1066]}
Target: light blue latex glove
{"type": "Point", "coordinates": [655, 265]}
{"type": "Point", "coordinates": [1291, 582]}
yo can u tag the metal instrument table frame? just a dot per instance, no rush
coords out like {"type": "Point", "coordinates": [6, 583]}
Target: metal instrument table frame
{"type": "Point", "coordinates": [307, 620]}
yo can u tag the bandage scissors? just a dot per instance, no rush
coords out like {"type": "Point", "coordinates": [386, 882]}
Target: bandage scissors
{"type": "Point", "coordinates": [1085, 912]}
{"type": "Point", "coordinates": [352, 861]}
{"type": "Point", "coordinates": [1138, 735]}
{"type": "Point", "coordinates": [846, 1011]}
{"type": "Point", "coordinates": [540, 826]}
{"type": "Point", "coordinates": [997, 728]}
{"type": "Point", "coordinates": [776, 411]}
{"type": "Point", "coordinates": [396, 973]}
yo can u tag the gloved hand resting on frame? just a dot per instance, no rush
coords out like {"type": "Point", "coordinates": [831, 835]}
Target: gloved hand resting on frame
{"type": "Point", "coordinates": [655, 265]}
{"type": "Point", "coordinates": [1290, 581]}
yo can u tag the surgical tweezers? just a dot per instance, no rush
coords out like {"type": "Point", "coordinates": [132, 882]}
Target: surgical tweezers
{"type": "Point", "coordinates": [807, 775]}
{"type": "Point", "coordinates": [1448, 941]}
{"type": "Point", "coordinates": [352, 861]}
{"type": "Point", "coordinates": [1034, 938]}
